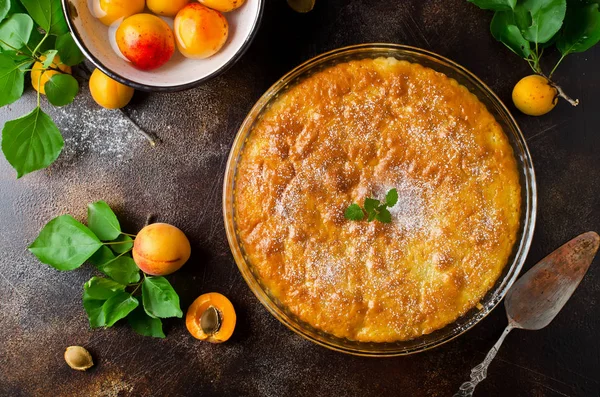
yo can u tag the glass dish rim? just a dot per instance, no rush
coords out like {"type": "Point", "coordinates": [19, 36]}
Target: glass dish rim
{"type": "Point", "coordinates": [499, 290]}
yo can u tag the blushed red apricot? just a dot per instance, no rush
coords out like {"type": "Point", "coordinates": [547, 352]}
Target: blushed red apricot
{"type": "Point", "coordinates": [200, 31]}
{"type": "Point", "coordinates": [146, 40]}
{"type": "Point", "coordinates": [160, 249]}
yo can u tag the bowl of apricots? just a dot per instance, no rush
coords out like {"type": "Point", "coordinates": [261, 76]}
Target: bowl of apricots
{"type": "Point", "coordinates": [163, 45]}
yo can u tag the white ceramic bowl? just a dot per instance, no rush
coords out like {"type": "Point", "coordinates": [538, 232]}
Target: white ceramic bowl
{"type": "Point", "coordinates": [180, 73]}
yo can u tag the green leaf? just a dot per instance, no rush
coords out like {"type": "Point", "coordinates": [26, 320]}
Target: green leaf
{"type": "Point", "coordinates": [505, 30]}
{"type": "Point", "coordinates": [31, 142]}
{"type": "Point", "coordinates": [65, 243]}
{"type": "Point", "coordinates": [384, 216]}
{"type": "Point", "coordinates": [50, 54]}
{"type": "Point", "coordinates": [127, 244]}
{"type": "Point", "coordinates": [121, 269]}
{"type": "Point", "coordinates": [105, 313]}
{"type": "Point", "coordinates": [372, 215]}
{"type": "Point", "coordinates": [495, 5]}
{"type": "Point", "coordinates": [391, 198]}
{"type": "Point", "coordinates": [145, 325]}
{"type": "Point", "coordinates": [36, 38]}
{"type": "Point", "coordinates": [100, 288]}
{"type": "Point", "coordinates": [582, 29]}
{"type": "Point", "coordinates": [69, 52]}
{"type": "Point", "coordinates": [48, 14]}
{"type": "Point", "coordinates": [106, 302]}
{"type": "Point", "coordinates": [12, 78]}
{"type": "Point", "coordinates": [371, 204]}
{"type": "Point", "coordinates": [103, 221]}
{"type": "Point", "coordinates": [546, 19]}
{"type": "Point", "coordinates": [159, 298]}
{"type": "Point", "coordinates": [61, 89]}
{"type": "Point", "coordinates": [4, 8]}
{"type": "Point", "coordinates": [15, 31]}
{"type": "Point", "coordinates": [354, 213]}
{"type": "Point", "coordinates": [102, 256]}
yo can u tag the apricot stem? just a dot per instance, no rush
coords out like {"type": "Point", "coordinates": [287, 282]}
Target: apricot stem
{"type": "Point", "coordinates": [149, 138]}
{"type": "Point", "coordinates": [130, 235]}
{"type": "Point", "coordinates": [562, 94]}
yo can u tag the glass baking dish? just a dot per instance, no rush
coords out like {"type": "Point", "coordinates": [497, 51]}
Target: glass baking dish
{"type": "Point", "coordinates": [528, 191]}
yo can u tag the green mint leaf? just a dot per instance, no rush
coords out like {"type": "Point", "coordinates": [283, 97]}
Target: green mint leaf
{"type": "Point", "coordinates": [50, 54]}
{"type": "Point", "coordinates": [31, 142]}
{"type": "Point", "coordinates": [4, 8]}
{"type": "Point", "coordinates": [65, 243]}
{"type": "Point", "coordinates": [505, 30]}
{"type": "Point", "coordinates": [12, 78]}
{"type": "Point", "coordinates": [127, 244]}
{"type": "Point", "coordinates": [15, 32]}
{"type": "Point", "coordinates": [69, 52]}
{"type": "Point", "coordinates": [106, 302]}
{"type": "Point", "coordinates": [546, 19]}
{"type": "Point", "coordinates": [61, 89]}
{"type": "Point", "coordinates": [372, 215]}
{"type": "Point", "coordinates": [145, 325]}
{"type": "Point", "coordinates": [121, 269]}
{"type": "Point", "coordinates": [371, 204]}
{"type": "Point", "coordinates": [384, 216]}
{"type": "Point", "coordinates": [391, 198]}
{"type": "Point", "coordinates": [103, 221]}
{"type": "Point", "coordinates": [354, 213]}
{"type": "Point", "coordinates": [159, 298]}
{"type": "Point", "coordinates": [102, 256]}
{"type": "Point", "coordinates": [582, 29]}
{"type": "Point", "coordinates": [48, 14]}
{"type": "Point", "coordinates": [495, 5]}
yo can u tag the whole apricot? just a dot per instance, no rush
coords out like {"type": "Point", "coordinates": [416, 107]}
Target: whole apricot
{"type": "Point", "coordinates": [222, 5]}
{"type": "Point", "coordinates": [211, 317]}
{"type": "Point", "coordinates": [534, 95]}
{"type": "Point", "coordinates": [110, 11]}
{"type": "Point", "coordinates": [109, 93]}
{"type": "Point", "coordinates": [200, 31]}
{"type": "Point", "coordinates": [160, 249]}
{"type": "Point", "coordinates": [168, 8]}
{"type": "Point", "coordinates": [39, 77]}
{"type": "Point", "coordinates": [145, 40]}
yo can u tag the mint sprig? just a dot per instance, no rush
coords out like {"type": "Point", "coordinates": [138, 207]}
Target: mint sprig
{"type": "Point", "coordinates": [66, 244]}
{"type": "Point", "coordinates": [373, 209]}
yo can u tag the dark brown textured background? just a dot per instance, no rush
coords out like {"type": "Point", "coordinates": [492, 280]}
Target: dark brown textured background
{"type": "Point", "coordinates": [180, 182]}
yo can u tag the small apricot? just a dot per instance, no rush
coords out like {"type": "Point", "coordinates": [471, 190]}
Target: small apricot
{"type": "Point", "coordinates": [534, 95]}
{"type": "Point", "coordinates": [160, 249]}
{"type": "Point", "coordinates": [223, 5]}
{"type": "Point", "coordinates": [145, 40]}
{"type": "Point", "coordinates": [109, 93]}
{"type": "Point", "coordinates": [39, 77]}
{"type": "Point", "coordinates": [200, 31]}
{"type": "Point", "coordinates": [110, 11]}
{"type": "Point", "coordinates": [167, 8]}
{"type": "Point", "coordinates": [211, 317]}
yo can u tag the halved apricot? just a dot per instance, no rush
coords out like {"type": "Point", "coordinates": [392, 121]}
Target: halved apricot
{"type": "Point", "coordinates": [211, 317]}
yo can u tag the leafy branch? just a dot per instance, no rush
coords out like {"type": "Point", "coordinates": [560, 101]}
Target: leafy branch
{"type": "Point", "coordinates": [529, 27]}
{"type": "Point", "coordinates": [66, 244]}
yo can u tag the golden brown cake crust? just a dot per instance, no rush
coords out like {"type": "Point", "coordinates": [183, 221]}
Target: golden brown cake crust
{"type": "Point", "coordinates": [356, 130]}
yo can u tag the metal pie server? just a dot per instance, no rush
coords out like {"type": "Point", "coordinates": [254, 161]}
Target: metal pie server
{"type": "Point", "coordinates": [537, 297]}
